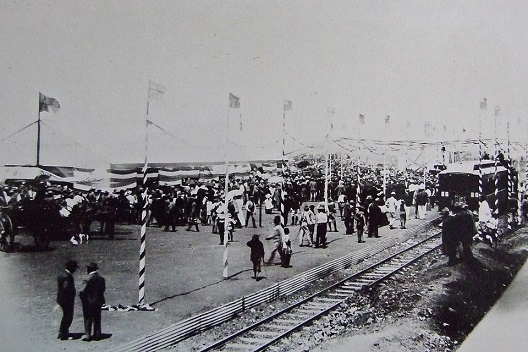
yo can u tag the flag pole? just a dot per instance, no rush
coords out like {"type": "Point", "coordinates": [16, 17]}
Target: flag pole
{"type": "Point", "coordinates": [225, 273]}
{"type": "Point", "coordinates": [482, 106]}
{"type": "Point", "coordinates": [511, 217]}
{"type": "Point", "coordinates": [283, 215]}
{"type": "Point", "coordinates": [384, 174]}
{"type": "Point", "coordinates": [143, 231]}
{"type": "Point", "coordinates": [496, 179]}
{"type": "Point", "coordinates": [38, 135]}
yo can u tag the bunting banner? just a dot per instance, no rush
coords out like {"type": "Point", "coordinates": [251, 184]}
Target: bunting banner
{"type": "Point", "coordinates": [46, 102]}
{"type": "Point", "coordinates": [234, 101]}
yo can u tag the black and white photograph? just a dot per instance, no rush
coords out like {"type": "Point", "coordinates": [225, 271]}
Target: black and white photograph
{"type": "Point", "coordinates": [278, 175]}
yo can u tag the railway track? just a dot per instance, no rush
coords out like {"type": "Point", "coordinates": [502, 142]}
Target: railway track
{"type": "Point", "coordinates": [264, 333]}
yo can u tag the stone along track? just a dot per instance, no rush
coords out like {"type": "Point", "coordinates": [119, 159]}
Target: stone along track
{"type": "Point", "coordinates": [264, 333]}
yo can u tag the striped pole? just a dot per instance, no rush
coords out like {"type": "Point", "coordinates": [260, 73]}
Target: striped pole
{"type": "Point", "coordinates": [358, 188]}
{"type": "Point", "coordinates": [496, 193]}
{"type": "Point", "coordinates": [283, 214]}
{"type": "Point", "coordinates": [154, 90]}
{"type": "Point", "coordinates": [511, 217]}
{"type": "Point", "coordinates": [510, 173]}
{"type": "Point", "coordinates": [384, 175]}
{"type": "Point", "coordinates": [143, 231]}
{"type": "Point", "coordinates": [326, 181]}
{"type": "Point", "coordinates": [341, 166]}
{"type": "Point", "coordinates": [225, 271]}
{"type": "Point", "coordinates": [483, 106]}
{"type": "Point", "coordinates": [519, 191]}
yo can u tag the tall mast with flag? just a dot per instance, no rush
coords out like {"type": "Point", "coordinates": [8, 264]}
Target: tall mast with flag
{"type": "Point", "coordinates": [358, 170]}
{"type": "Point", "coordinates": [45, 104]}
{"type": "Point", "coordinates": [483, 107]}
{"type": "Point", "coordinates": [495, 176]}
{"type": "Point", "coordinates": [234, 103]}
{"type": "Point", "coordinates": [328, 171]}
{"type": "Point", "coordinates": [154, 91]}
{"type": "Point", "coordinates": [287, 106]}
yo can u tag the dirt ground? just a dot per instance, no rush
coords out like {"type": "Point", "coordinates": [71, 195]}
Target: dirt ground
{"type": "Point", "coordinates": [429, 307]}
{"type": "Point", "coordinates": [183, 277]}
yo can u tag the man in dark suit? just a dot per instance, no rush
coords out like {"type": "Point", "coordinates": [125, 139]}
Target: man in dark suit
{"type": "Point", "coordinates": [66, 297]}
{"type": "Point", "coordinates": [92, 298]}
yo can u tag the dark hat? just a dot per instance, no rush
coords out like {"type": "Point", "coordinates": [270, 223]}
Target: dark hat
{"type": "Point", "coordinates": [306, 207]}
{"type": "Point", "coordinates": [72, 264]}
{"type": "Point", "coordinates": [92, 265]}
{"type": "Point", "coordinates": [458, 206]}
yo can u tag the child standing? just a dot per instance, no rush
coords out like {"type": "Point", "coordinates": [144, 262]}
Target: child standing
{"type": "Point", "coordinates": [360, 225]}
{"type": "Point", "coordinates": [286, 249]}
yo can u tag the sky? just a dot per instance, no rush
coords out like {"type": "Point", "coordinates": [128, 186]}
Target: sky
{"type": "Point", "coordinates": [415, 61]}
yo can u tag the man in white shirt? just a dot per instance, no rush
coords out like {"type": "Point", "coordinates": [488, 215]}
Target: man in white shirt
{"type": "Point", "coordinates": [321, 220]}
{"type": "Point", "coordinates": [277, 237]}
{"type": "Point", "coordinates": [392, 205]}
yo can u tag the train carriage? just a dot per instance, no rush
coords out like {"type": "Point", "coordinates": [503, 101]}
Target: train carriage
{"type": "Point", "coordinates": [460, 183]}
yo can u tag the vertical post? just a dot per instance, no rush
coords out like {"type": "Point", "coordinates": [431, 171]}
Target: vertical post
{"type": "Point", "coordinates": [341, 166]}
{"type": "Point", "coordinates": [384, 174]}
{"type": "Point", "coordinates": [283, 215]}
{"type": "Point", "coordinates": [511, 217]}
{"type": "Point", "coordinates": [496, 179]}
{"type": "Point", "coordinates": [405, 177]}
{"type": "Point", "coordinates": [326, 181]}
{"type": "Point", "coordinates": [358, 176]}
{"type": "Point", "coordinates": [142, 250]}
{"type": "Point", "coordinates": [260, 205]}
{"type": "Point", "coordinates": [425, 169]}
{"type": "Point", "coordinates": [481, 190]}
{"type": "Point", "coordinates": [482, 107]}
{"type": "Point", "coordinates": [510, 173]}
{"type": "Point", "coordinates": [38, 137]}
{"type": "Point", "coordinates": [225, 273]}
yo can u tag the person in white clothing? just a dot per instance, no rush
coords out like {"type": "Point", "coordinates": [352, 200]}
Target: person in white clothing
{"type": "Point", "coordinates": [304, 231]}
{"type": "Point", "coordinates": [321, 219]}
{"type": "Point", "coordinates": [392, 206]}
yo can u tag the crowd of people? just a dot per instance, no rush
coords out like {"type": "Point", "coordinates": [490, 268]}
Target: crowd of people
{"type": "Point", "coordinates": [194, 204]}
{"type": "Point", "coordinates": [298, 202]}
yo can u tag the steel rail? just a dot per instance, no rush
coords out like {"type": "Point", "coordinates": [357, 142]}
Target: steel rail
{"type": "Point", "coordinates": [369, 269]}
{"type": "Point", "coordinates": [175, 333]}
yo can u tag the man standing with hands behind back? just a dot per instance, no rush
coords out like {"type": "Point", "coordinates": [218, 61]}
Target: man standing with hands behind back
{"type": "Point", "coordinates": [66, 297]}
{"type": "Point", "coordinates": [92, 298]}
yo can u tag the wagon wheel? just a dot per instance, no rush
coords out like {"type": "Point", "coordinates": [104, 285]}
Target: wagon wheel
{"type": "Point", "coordinates": [7, 238]}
